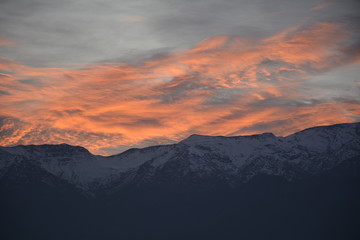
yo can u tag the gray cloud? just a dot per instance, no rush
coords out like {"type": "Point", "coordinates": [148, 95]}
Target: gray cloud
{"type": "Point", "coordinates": [34, 82]}
{"type": "Point", "coordinates": [50, 32]}
{"type": "Point", "coordinates": [4, 93]}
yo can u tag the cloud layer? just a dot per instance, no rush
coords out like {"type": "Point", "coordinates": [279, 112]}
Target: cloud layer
{"type": "Point", "coordinates": [225, 85]}
{"type": "Point", "coordinates": [55, 33]}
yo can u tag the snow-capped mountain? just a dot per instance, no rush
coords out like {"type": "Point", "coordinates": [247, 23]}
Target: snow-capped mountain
{"type": "Point", "coordinates": [195, 160]}
{"type": "Point", "coordinates": [303, 186]}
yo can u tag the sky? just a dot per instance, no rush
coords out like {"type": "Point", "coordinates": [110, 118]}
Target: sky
{"type": "Point", "coordinates": [111, 75]}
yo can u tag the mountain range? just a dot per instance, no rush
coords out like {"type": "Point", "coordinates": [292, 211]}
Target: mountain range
{"type": "Point", "coordinates": [303, 186]}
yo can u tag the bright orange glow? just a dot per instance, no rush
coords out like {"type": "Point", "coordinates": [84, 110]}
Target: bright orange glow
{"type": "Point", "coordinates": [223, 86]}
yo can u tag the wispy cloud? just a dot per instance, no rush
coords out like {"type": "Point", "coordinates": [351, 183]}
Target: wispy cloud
{"type": "Point", "coordinates": [323, 5]}
{"type": "Point", "coordinates": [225, 85]}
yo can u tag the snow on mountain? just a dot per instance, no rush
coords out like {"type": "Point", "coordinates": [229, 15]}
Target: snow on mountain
{"type": "Point", "coordinates": [72, 163]}
{"type": "Point", "coordinates": [232, 160]}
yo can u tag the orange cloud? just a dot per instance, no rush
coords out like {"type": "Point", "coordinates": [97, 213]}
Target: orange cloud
{"type": "Point", "coordinates": [223, 86]}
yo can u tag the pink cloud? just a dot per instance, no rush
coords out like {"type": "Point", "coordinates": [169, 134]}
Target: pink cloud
{"type": "Point", "coordinates": [223, 86]}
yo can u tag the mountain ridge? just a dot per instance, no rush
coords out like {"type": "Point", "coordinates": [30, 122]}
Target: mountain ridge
{"type": "Point", "coordinates": [304, 186]}
{"type": "Point", "coordinates": [231, 160]}
{"type": "Point", "coordinates": [192, 135]}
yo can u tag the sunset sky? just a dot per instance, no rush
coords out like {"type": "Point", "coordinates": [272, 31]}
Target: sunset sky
{"type": "Point", "coordinates": [110, 75]}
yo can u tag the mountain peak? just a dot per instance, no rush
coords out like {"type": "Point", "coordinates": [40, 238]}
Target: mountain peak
{"type": "Point", "coordinates": [355, 127]}
{"type": "Point", "coordinates": [236, 158]}
{"type": "Point", "coordinates": [196, 138]}
{"type": "Point", "coordinates": [199, 138]}
{"type": "Point", "coordinates": [62, 149]}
